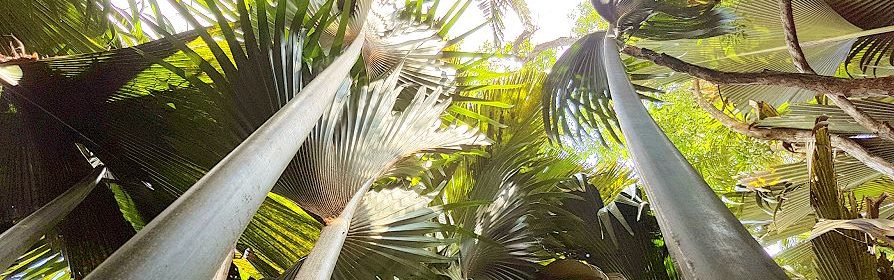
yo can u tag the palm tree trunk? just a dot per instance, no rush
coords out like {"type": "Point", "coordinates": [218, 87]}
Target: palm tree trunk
{"type": "Point", "coordinates": [704, 238]}
{"type": "Point", "coordinates": [192, 237]}
{"type": "Point", "coordinates": [322, 258]}
{"type": "Point", "coordinates": [16, 241]}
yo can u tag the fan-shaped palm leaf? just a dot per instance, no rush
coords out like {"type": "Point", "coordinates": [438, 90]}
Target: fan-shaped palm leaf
{"type": "Point", "coordinates": [503, 238]}
{"type": "Point", "coordinates": [415, 36]}
{"type": "Point", "coordinates": [58, 27]}
{"type": "Point", "coordinates": [576, 96]}
{"type": "Point", "coordinates": [391, 235]}
{"type": "Point", "coordinates": [825, 30]}
{"type": "Point", "coordinates": [356, 141]}
{"type": "Point", "coordinates": [361, 138]}
{"type": "Point", "coordinates": [868, 51]}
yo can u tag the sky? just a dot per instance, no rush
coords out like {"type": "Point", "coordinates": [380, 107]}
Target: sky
{"type": "Point", "coordinates": [553, 17]}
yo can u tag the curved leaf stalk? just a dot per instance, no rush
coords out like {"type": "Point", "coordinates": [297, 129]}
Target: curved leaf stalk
{"type": "Point", "coordinates": [703, 236]}
{"type": "Point", "coordinates": [322, 258]}
{"type": "Point", "coordinates": [191, 238]}
{"type": "Point", "coordinates": [19, 238]}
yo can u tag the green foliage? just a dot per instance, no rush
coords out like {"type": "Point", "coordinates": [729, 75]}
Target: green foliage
{"type": "Point", "coordinates": [719, 154]}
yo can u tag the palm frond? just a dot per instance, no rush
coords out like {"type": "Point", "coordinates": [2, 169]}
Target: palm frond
{"type": "Point", "coordinates": [831, 32]}
{"type": "Point", "coordinates": [415, 36]}
{"type": "Point", "coordinates": [617, 236]}
{"type": "Point", "coordinates": [575, 96]}
{"type": "Point", "coordinates": [802, 116]}
{"type": "Point", "coordinates": [502, 242]}
{"type": "Point", "coordinates": [41, 262]}
{"type": "Point", "coordinates": [361, 137]}
{"type": "Point", "coordinates": [703, 24]}
{"type": "Point", "coordinates": [868, 51]}
{"type": "Point", "coordinates": [843, 254]}
{"type": "Point", "coordinates": [391, 235]}
{"type": "Point", "coordinates": [93, 231]}
{"type": "Point", "coordinates": [58, 27]}
{"type": "Point", "coordinates": [666, 20]}
{"type": "Point", "coordinates": [494, 11]}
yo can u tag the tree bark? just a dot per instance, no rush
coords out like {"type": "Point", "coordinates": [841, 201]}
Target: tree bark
{"type": "Point", "coordinates": [320, 263]}
{"type": "Point", "coordinates": [704, 238]}
{"type": "Point", "coordinates": [848, 88]}
{"type": "Point", "coordinates": [791, 38]}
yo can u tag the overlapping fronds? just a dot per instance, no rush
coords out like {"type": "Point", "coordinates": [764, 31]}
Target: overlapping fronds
{"type": "Point", "coordinates": [665, 20]}
{"type": "Point", "coordinates": [831, 32]}
{"type": "Point", "coordinates": [869, 52]}
{"type": "Point", "coordinates": [361, 137]}
{"type": "Point", "coordinates": [842, 254]}
{"type": "Point", "coordinates": [501, 241]}
{"type": "Point", "coordinates": [575, 98]}
{"type": "Point", "coordinates": [802, 116]}
{"type": "Point", "coordinates": [57, 27]}
{"type": "Point", "coordinates": [617, 236]}
{"type": "Point", "coordinates": [782, 202]}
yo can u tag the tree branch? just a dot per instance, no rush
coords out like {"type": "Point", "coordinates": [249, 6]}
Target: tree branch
{"type": "Point", "coordinates": [555, 43]}
{"type": "Point", "coordinates": [791, 38]}
{"type": "Point", "coordinates": [779, 134]}
{"type": "Point", "coordinates": [847, 145]}
{"type": "Point", "coordinates": [870, 87]}
{"type": "Point", "coordinates": [882, 129]}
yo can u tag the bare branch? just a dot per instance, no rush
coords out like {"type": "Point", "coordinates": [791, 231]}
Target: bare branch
{"type": "Point", "coordinates": [883, 129]}
{"type": "Point", "coordinates": [791, 38]}
{"type": "Point", "coordinates": [847, 145]}
{"type": "Point", "coordinates": [780, 134]}
{"type": "Point", "coordinates": [870, 87]}
{"type": "Point", "coordinates": [854, 149]}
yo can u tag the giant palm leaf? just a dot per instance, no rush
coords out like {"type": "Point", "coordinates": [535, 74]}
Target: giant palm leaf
{"type": "Point", "coordinates": [618, 236]}
{"type": "Point", "coordinates": [360, 138]}
{"type": "Point", "coordinates": [418, 37]}
{"type": "Point", "coordinates": [392, 235]}
{"type": "Point", "coordinates": [58, 27]}
{"type": "Point", "coordinates": [44, 116]}
{"type": "Point", "coordinates": [828, 31]}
